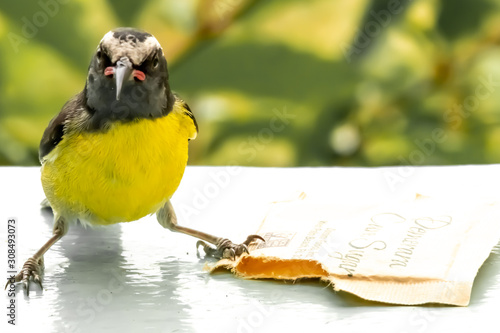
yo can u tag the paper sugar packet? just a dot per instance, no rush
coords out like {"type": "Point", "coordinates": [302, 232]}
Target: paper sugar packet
{"type": "Point", "coordinates": [426, 250]}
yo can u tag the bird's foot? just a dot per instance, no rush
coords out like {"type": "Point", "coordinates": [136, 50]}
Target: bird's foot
{"type": "Point", "coordinates": [225, 249]}
{"type": "Point", "coordinates": [32, 268]}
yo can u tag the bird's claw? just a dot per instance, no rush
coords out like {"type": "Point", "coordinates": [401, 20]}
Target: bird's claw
{"type": "Point", "coordinates": [32, 268]}
{"type": "Point", "coordinates": [225, 249]}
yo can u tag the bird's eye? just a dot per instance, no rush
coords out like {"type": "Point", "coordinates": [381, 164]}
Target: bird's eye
{"type": "Point", "coordinates": [102, 58]}
{"type": "Point", "coordinates": [99, 55]}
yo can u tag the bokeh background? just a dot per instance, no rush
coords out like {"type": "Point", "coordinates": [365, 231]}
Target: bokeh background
{"type": "Point", "coordinates": [278, 82]}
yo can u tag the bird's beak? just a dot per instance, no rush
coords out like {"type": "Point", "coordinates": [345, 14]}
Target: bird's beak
{"type": "Point", "coordinates": [122, 73]}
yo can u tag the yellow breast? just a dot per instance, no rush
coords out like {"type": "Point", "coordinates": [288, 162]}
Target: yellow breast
{"type": "Point", "coordinates": [119, 175]}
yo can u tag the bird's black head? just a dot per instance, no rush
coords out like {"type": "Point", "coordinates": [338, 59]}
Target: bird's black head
{"type": "Point", "coordinates": [127, 78]}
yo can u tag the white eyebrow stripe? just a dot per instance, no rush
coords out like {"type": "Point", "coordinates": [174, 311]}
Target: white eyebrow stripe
{"type": "Point", "coordinates": [118, 48]}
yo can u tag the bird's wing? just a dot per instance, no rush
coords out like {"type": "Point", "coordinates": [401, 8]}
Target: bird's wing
{"type": "Point", "coordinates": [189, 117]}
{"type": "Point", "coordinates": [55, 130]}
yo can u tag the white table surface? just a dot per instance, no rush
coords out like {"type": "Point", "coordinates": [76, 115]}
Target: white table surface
{"type": "Point", "coordinates": [137, 277]}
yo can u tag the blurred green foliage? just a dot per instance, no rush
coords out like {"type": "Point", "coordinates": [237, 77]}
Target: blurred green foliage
{"type": "Point", "coordinates": [278, 83]}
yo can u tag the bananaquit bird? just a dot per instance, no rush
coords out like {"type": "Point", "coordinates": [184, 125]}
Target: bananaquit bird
{"type": "Point", "coordinates": [117, 150]}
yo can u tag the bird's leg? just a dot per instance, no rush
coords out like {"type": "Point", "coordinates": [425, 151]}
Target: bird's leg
{"type": "Point", "coordinates": [34, 266]}
{"type": "Point", "coordinates": [224, 248]}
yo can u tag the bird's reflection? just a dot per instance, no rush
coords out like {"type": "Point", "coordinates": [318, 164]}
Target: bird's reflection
{"type": "Point", "coordinates": [118, 276]}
